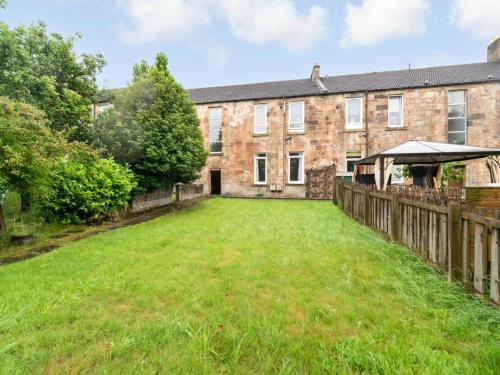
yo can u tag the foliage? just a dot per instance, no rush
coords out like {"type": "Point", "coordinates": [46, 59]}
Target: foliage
{"type": "Point", "coordinates": [154, 128]}
{"type": "Point", "coordinates": [452, 172]}
{"type": "Point", "coordinates": [27, 148]}
{"type": "Point", "coordinates": [85, 186]}
{"type": "Point", "coordinates": [3, 3]}
{"type": "Point", "coordinates": [42, 69]}
{"type": "Point", "coordinates": [228, 287]}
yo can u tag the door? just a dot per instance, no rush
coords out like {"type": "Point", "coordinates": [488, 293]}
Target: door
{"type": "Point", "coordinates": [215, 177]}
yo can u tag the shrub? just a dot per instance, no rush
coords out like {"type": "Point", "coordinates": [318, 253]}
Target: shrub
{"type": "Point", "coordinates": [85, 186]}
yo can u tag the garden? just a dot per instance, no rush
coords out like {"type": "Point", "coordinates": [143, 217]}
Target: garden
{"type": "Point", "coordinates": [241, 286]}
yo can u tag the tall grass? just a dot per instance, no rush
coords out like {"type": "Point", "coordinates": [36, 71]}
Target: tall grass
{"type": "Point", "coordinates": [241, 286]}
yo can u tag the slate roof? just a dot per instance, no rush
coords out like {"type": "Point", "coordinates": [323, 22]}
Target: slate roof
{"type": "Point", "coordinates": [397, 79]}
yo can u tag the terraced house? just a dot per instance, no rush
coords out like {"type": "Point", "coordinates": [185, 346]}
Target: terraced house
{"type": "Point", "coordinates": [263, 137]}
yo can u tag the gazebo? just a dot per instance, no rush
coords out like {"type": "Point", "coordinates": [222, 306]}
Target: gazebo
{"type": "Point", "coordinates": [422, 152]}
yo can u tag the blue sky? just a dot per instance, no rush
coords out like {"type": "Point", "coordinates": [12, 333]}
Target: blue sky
{"type": "Point", "coordinates": [219, 42]}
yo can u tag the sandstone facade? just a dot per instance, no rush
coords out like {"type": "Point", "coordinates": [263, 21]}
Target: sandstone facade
{"type": "Point", "coordinates": [325, 139]}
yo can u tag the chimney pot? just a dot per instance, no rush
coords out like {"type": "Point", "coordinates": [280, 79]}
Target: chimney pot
{"type": "Point", "coordinates": [494, 50]}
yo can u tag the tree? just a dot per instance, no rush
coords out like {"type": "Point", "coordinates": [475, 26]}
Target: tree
{"type": "Point", "coordinates": [3, 3]}
{"type": "Point", "coordinates": [153, 128]}
{"type": "Point", "coordinates": [26, 149]}
{"type": "Point", "coordinates": [42, 69]}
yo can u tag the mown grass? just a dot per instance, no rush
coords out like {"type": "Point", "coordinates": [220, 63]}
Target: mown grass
{"type": "Point", "coordinates": [241, 286]}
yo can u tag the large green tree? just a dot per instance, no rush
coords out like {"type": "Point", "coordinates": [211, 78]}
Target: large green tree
{"type": "Point", "coordinates": [42, 69]}
{"type": "Point", "coordinates": [27, 148]}
{"type": "Point", "coordinates": [153, 128]}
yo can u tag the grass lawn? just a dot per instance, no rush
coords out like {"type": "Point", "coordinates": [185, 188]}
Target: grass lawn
{"type": "Point", "coordinates": [246, 286]}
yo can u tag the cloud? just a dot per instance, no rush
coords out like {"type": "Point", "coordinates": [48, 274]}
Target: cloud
{"type": "Point", "coordinates": [481, 17]}
{"type": "Point", "coordinates": [275, 21]}
{"type": "Point", "coordinates": [169, 20]}
{"type": "Point", "coordinates": [375, 21]}
{"type": "Point", "coordinates": [254, 21]}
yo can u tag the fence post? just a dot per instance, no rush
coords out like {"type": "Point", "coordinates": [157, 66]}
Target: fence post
{"type": "Point", "coordinates": [495, 263]}
{"type": "Point", "coordinates": [455, 260]}
{"type": "Point", "coordinates": [341, 195]}
{"type": "Point", "coordinates": [480, 254]}
{"type": "Point", "coordinates": [334, 198]}
{"type": "Point", "coordinates": [178, 192]}
{"type": "Point", "coordinates": [353, 214]}
{"type": "Point", "coordinates": [367, 207]}
{"type": "Point", "coordinates": [396, 218]}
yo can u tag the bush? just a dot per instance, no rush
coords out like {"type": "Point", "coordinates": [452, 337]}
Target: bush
{"type": "Point", "coordinates": [85, 187]}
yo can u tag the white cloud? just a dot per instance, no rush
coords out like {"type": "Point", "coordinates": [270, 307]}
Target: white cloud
{"type": "Point", "coordinates": [255, 21]}
{"type": "Point", "coordinates": [275, 21]}
{"type": "Point", "coordinates": [377, 20]}
{"type": "Point", "coordinates": [152, 20]}
{"type": "Point", "coordinates": [481, 17]}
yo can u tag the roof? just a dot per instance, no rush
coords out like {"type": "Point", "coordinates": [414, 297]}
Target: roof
{"type": "Point", "coordinates": [397, 79]}
{"type": "Point", "coordinates": [421, 152]}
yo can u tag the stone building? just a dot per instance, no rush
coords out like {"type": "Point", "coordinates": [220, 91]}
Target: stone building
{"type": "Point", "coordinates": [262, 137]}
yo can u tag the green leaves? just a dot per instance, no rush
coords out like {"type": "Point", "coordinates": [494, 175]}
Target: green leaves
{"type": "Point", "coordinates": [153, 128]}
{"type": "Point", "coordinates": [85, 186]}
{"type": "Point", "coordinates": [42, 69]}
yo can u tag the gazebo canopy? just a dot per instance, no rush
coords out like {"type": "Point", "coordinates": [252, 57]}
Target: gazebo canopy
{"type": "Point", "coordinates": [422, 152]}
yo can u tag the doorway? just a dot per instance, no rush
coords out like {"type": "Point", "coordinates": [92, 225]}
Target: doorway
{"type": "Point", "coordinates": [215, 182]}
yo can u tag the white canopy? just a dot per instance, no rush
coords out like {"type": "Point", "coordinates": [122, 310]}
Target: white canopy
{"type": "Point", "coordinates": [422, 152]}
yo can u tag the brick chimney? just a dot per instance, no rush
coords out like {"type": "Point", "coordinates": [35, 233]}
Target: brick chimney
{"type": "Point", "coordinates": [316, 72]}
{"type": "Point", "coordinates": [494, 50]}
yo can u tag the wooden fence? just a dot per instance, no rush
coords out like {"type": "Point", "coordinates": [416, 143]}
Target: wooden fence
{"type": "Point", "coordinates": [461, 241]}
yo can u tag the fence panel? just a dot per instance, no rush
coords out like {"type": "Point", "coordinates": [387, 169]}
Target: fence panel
{"type": "Point", "coordinates": [439, 228]}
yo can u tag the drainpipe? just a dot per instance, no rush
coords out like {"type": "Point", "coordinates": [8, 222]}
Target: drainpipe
{"type": "Point", "coordinates": [284, 153]}
{"type": "Point", "coordinates": [366, 124]}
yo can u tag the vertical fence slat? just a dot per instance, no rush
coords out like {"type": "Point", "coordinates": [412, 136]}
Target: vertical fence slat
{"type": "Point", "coordinates": [480, 256]}
{"type": "Point", "coordinates": [495, 263]}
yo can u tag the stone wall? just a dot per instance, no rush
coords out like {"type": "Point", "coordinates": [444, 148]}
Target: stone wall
{"type": "Point", "coordinates": [325, 140]}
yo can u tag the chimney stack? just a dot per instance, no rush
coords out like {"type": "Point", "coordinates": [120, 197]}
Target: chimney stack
{"type": "Point", "coordinates": [494, 50]}
{"type": "Point", "coordinates": [315, 74]}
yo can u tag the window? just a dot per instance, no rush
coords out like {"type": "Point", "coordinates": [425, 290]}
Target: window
{"type": "Point", "coordinates": [296, 117]}
{"type": "Point", "coordinates": [260, 174]}
{"type": "Point", "coordinates": [296, 168]}
{"type": "Point", "coordinates": [354, 113]}
{"type": "Point", "coordinates": [350, 158]}
{"type": "Point", "coordinates": [397, 174]}
{"type": "Point", "coordinates": [395, 111]}
{"type": "Point", "coordinates": [260, 119]}
{"type": "Point", "coordinates": [215, 129]}
{"type": "Point", "coordinates": [457, 117]}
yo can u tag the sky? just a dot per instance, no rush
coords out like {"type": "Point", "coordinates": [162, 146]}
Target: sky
{"type": "Point", "coordinates": [222, 42]}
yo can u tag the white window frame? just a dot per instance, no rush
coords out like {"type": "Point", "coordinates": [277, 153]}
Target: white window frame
{"type": "Point", "coordinates": [354, 125]}
{"type": "Point", "coordinates": [209, 129]}
{"type": "Point", "coordinates": [349, 173]}
{"type": "Point", "coordinates": [389, 112]}
{"type": "Point", "coordinates": [259, 156]}
{"type": "Point", "coordinates": [255, 125]}
{"type": "Point", "coordinates": [456, 118]}
{"type": "Point", "coordinates": [300, 156]}
{"type": "Point", "coordinates": [296, 130]}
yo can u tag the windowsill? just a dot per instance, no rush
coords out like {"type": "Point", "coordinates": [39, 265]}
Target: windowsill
{"type": "Point", "coordinates": [260, 134]}
{"type": "Point", "coordinates": [216, 153]}
{"type": "Point", "coordinates": [295, 184]}
{"type": "Point", "coordinates": [259, 185]}
{"type": "Point", "coordinates": [357, 130]}
{"type": "Point", "coordinates": [396, 128]}
{"type": "Point", "coordinates": [301, 132]}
